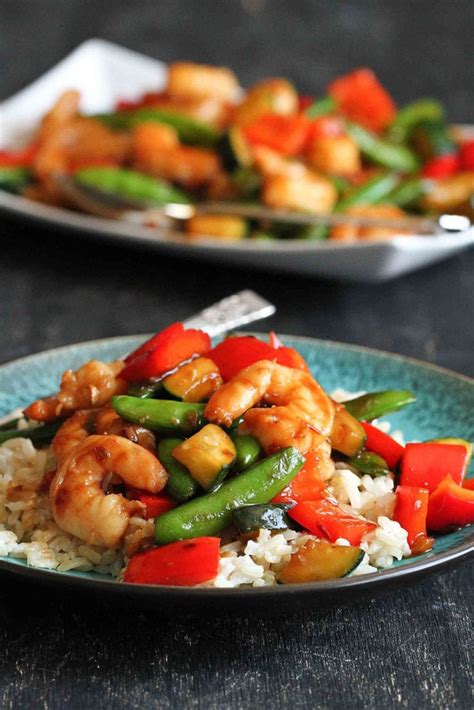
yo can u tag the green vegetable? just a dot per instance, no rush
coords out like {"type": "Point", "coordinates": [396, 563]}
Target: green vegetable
{"type": "Point", "coordinates": [233, 150]}
{"type": "Point", "coordinates": [371, 192]}
{"type": "Point", "coordinates": [248, 451]}
{"type": "Point", "coordinates": [408, 192]}
{"type": "Point", "coordinates": [382, 152]}
{"type": "Point", "coordinates": [341, 184]}
{"type": "Point", "coordinates": [347, 434]}
{"type": "Point", "coordinates": [312, 232]}
{"type": "Point", "coordinates": [13, 178]}
{"type": "Point", "coordinates": [431, 139]}
{"type": "Point", "coordinates": [411, 115]}
{"type": "Point", "coordinates": [321, 107]}
{"type": "Point", "coordinates": [189, 130]}
{"type": "Point", "coordinates": [181, 486]}
{"type": "Point", "coordinates": [212, 512]}
{"type": "Point", "coordinates": [208, 455]}
{"type": "Point", "coordinates": [370, 463]}
{"type": "Point", "coordinates": [253, 517]}
{"type": "Point", "coordinates": [317, 560]}
{"type": "Point", "coordinates": [145, 390]}
{"type": "Point", "coordinates": [39, 435]}
{"type": "Point", "coordinates": [261, 236]}
{"type": "Point", "coordinates": [163, 415]}
{"type": "Point", "coordinates": [248, 181]}
{"type": "Point", "coordinates": [377, 404]}
{"type": "Point", "coordinates": [10, 424]}
{"type": "Point", "coordinates": [130, 185]}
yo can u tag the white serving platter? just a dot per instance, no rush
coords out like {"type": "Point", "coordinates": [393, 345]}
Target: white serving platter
{"type": "Point", "coordinates": [104, 72]}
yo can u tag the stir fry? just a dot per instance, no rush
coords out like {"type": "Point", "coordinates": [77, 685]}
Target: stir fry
{"type": "Point", "coordinates": [351, 151]}
{"type": "Point", "coordinates": [235, 449]}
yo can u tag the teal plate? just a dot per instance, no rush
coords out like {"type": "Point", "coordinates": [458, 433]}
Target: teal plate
{"type": "Point", "coordinates": [444, 407]}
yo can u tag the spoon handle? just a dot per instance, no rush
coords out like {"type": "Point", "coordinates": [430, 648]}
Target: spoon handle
{"type": "Point", "coordinates": [236, 310]}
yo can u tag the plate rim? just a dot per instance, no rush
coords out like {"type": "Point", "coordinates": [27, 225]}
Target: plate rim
{"type": "Point", "coordinates": [461, 551]}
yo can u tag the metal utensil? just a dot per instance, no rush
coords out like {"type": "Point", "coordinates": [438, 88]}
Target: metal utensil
{"type": "Point", "coordinates": [105, 204]}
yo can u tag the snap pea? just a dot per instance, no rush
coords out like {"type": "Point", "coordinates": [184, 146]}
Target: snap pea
{"type": "Point", "coordinates": [376, 404]}
{"type": "Point", "coordinates": [248, 451]}
{"type": "Point", "coordinates": [409, 116]}
{"type": "Point", "coordinates": [408, 192]}
{"type": "Point", "coordinates": [321, 107]}
{"type": "Point", "coordinates": [131, 185]}
{"type": "Point", "coordinates": [144, 390]}
{"type": "Point", "coordinates": [162, 415]}
{"type": "Point", "coordinates": [371, 192]}
{"type": "Point", "coordinates": [38, 435]}
{"type": "Point", "coordinates": [370, 463]}
{"type": "Point", "coordinates": [211, 513]}
{"type": "Point", "coordinates": [13, 178]}
{"type": "Point", "coordinates": [189, 130]}
{"type": "Point", "coordinates": [9, 424]}
{"type": "Point", "coordinates": [180, 485]}
{"type": "Point", "coordinates": [382, 152]}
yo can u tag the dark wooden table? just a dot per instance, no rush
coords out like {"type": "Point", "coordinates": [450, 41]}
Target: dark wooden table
{"type": "Point", "coordinates": [409, 649]}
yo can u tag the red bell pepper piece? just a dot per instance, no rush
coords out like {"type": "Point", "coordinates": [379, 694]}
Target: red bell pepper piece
{"type": "Point", "coordinates": [285, 134]}
{"type": "Point", "coordinates": [383, 445]}
{"type": "Point", "coordinates": [169, 348]}
{"type": "Point", "coordinates": [234, 354]}
{"type": "Point", "coordinates": [156, 503]}
{"type": "Point", "coordinates": [441, 167]}
{"type": "Point", "coordinates": [306, 485]}
{"type": "Point", "coordinates": [466, 156]}
{"type": "Point", "coordinates": [18, 158]}
{"type": "Point", "coordinates": [362, 98]}
{"type": "Point", "coordinates": [304, 102]}
{"type": "Point", "coordinates": [325, 127]}
{"type": "Point", "coordinates": [450, 504]}
{"type": "Point", "coordinates": [469, 484]}
{"type": "Point", "coordinates": [182, 564]}
{"type": "Point", "coordinates": [425, 465]}
{"type": "Point", "coordinates": [326, 519]}
{"type": "Point", "coordinates": [411, 508]}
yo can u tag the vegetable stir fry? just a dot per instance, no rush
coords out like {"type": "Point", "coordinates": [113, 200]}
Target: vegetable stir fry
{"type": "Point", "coordinates": [351, 151]}
{"type": "Point", "coordinates": [232, 448]}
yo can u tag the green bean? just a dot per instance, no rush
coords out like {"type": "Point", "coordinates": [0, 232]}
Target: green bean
{"type": "Point", "coordinates": [248, 451]}
{"type": "Point", "coordinates": [371, 192]}
{"type": "Point", "coordinates": [189, 130]}
{"type": "Point", "coordinates": [211, 513]}
{"type": "Point", "coordinates": [14, 178]}
{"type": "Point", "coordinates": [382, 152]}
{"type": "Point", "coordinates": [370, 463]}
{"type": "Point", "coordinates": [131, 185]}
{"type": "Point", "coordinates": [408, 192]}
{"type": "Point", "coordinates": [161, 415]}
{"type": "Point", "coordinates": [376, 404]}
{"type": "Point", "coordinates": [409, 116]}
{"type": "Point", "coordinates": [321, 107]}
{"type": "Point", "coordinates": [38, 435]}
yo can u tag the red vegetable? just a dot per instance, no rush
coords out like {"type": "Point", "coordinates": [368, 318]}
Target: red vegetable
{"type": "Point", "coordinates": [304, 102]}
{"type": "Point", "coordinates": [156, 503]}
{"type": "Point", "coordinates": [363, 99]}
{"type": "Point", "coordinates": [383, 445]}
{"type": "Point", "coordinates": [441, 167]}
{"type": "Point", "coordinates": [469, 484]}
{"type": "Point", "coordinates": [234, 354]}
{"type": "Point", "coordinates": [285, 134]}
{"type": "Point", "coordinates": [18, 158]}
{"type": "Point", "coordinates": [450, 504]}
{"type": "Point", "coordinates": [148, 99]}
{"type": "Point", "coordinates": [326, 127]}
{"type": "Point", "coordinates": [326, 519]}
{"type": "Point", "coordinates": [425, 465]}
{"type": "Point", "coordinates": [306, 485]}
{"type": "Point", "coordinates": [410, 511]}
{"type": "Point", "coordinates": [183, 564]}
{"type": "Point", "coordinates": [466, 156]}
{"type": "Point", "coordinates": [164, 352]}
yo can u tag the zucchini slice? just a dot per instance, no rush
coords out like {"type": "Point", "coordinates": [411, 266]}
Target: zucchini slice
{"type": "Point", "coordinates": [317, 560]}
{"type": "Point", "coordinates": [195, 381]}
{"type": "Point", "coordinates": [234, 150]}
{"type": "Point", "coordinates": [253, 517]}
{"type": "Point", "coordinates": [208, 455]}
{"type": "Point", "coordinates": [347, 435]}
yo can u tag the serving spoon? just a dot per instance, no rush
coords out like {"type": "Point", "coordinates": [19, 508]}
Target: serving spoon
{"type": "Point", "coordinates": [103, 203]}
{"type": "Point", "coordinates": [239, 309]}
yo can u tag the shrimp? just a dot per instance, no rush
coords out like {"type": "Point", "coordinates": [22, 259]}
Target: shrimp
{"type": "Point", "coordinates": [310, 193]}
{"type": "Point", "coordinates": [197, 81]}
{"type": "Point", "coordinates": [303, 415]}
{"type": "Point", "coordinates": [189, 166]}
{"type": "Point", "coordinates": [79, 504]}
{"type": "Point", "coordinates": [336, 155]}
{"type": "Point", "coordinates": [73, 432]}
{"type": "Point", "coordinates": [107, 421]}
{"type": "Point", "coordinates": [92, 385]}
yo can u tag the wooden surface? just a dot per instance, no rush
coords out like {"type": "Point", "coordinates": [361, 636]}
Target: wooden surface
{"type": "Point", "coordinates": [409, 649]}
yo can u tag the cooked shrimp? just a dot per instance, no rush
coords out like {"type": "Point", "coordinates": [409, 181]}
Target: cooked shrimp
{"type": "Point", "coordinates": [80, 505]}
{"type": "Point", "coordinates": [199, 81]}
{"type": "Point", "coordinates": [92, 385]}
{"type": "Point", "coordinates": [73, 432]}
{"type": "Point", "coordinates": [186, 165]}
{"type": "Point", "coordinates": [268, 96]}
{"type": "Point", "coordinates": [107, 421]}
{"type": "Point", "coordinates": [303, 414]}
{"type": "Point", "coordinates": [336, 155]}
{"type": "Point", "coordinates": [310, 193]}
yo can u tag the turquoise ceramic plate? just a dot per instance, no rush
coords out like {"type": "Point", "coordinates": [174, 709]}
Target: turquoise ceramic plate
{"type": "Point", "coordinates": [444, 407]}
